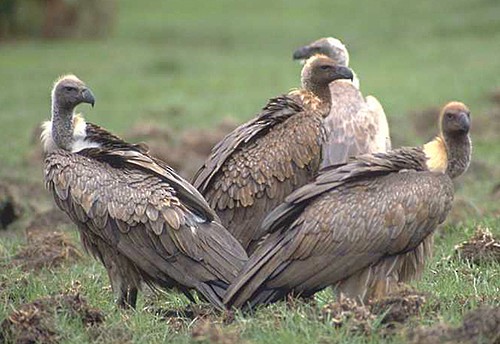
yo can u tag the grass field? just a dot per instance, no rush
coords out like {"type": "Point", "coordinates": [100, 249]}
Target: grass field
{"type": "Point", "coordinates": [181, 64]}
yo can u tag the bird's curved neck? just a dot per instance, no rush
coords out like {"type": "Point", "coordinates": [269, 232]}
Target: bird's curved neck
{"type": "Point", "coordinates": [62, 126]}
{"type": "Point", "coordinates": [459, 154]}
{"type": "Point", "coordinates": [320, 91]}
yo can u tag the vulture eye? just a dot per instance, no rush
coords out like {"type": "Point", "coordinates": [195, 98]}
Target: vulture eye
{"type": "Point", "coordinates": [69, 88]}
{"type": "Point", "coordinates": [449, 115]}
{"type": "Point", "coordinates": [325, 67]}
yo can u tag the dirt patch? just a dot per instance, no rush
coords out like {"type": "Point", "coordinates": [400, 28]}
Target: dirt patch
{"type": "Point", "coordinates": [385, 315]}
{"type": "Point", "coordinates": [479, 326]}
{"type": "Point", "coordinates": [191, 312]}
{"type": "Point", "coordinates": [46, 250]}
{"type": "Point", "coordinates": [35, 322]}
{"type": "Point", "coordinates": [185, 152]}
{"type": "Point", "coordinates": [481, 247]}
{"type": "Point", "coordinates": [30, 196]}
{"type": "Point", "coordinates": [208, 332]}
{"type": "Point", "coordinates": [399, 306]}
{"type": "Point", "coordinates": [10, 208]}
{"type": "Point", "coordinates": [110, 335]}
{"type": "Point", "coordinates": [347, 312]}
{"type": "Point", "coordinates": [47, 221]}
{"type": "Point", "coordinates": [181, 319]}
{"type": "Point", "coordinates": [201, 141]}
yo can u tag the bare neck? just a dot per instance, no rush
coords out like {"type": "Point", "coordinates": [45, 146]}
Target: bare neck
{"type": "Point", "coordinates": [62, 126]}
{"type": "Point", "coordinates": [459, 154]}
{"type": "Point", "coordinates": [320, 91]}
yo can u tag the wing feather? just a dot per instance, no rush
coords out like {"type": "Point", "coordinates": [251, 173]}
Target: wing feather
{"type": "Point", "coordinates": [137, 209]}
{"type": "Point", "coordinates": [258, 164]}
{"type": "Point", "coordinates": [354, 126]}
{"type": "Point", "coordinates": [332, 234]}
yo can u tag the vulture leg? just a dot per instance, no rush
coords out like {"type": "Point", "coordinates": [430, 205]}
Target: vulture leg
{"type": "Point", "coordinates": [132, 297]}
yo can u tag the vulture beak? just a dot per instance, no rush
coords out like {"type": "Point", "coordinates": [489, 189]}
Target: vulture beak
{"type": "Point", "coordinates": [303, 53]}
{"type": "Point", "coordinates": [464, 122]}
{"type": "Point", "coordinates": [88, 97]}
{"type": "Point", "coordinates": [344, 72]}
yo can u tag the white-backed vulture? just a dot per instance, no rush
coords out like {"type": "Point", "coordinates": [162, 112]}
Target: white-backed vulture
{"type": "Point", "coordinates": [355, 222]}
{"type": "Point", "coordinates": [328, 46]}
{"type": "Point", "coordinates": [257, 165]}
{"type": "Point", "coordinates": [134, 213]}
{"type": "Point", "coordinates": [356, 125]}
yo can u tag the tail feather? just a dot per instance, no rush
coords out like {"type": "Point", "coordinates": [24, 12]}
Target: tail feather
{"type": "Point", "coordinates": [261, 265]}
{"type": "Point", "coordinates": [223, 253]}
{"type": "Point", "coordinates": [213, 293]}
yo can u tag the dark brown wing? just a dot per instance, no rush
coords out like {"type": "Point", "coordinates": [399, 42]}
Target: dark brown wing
{"type": "Point", "coordinates": [256, 166]}
{"type": "Point", "coordinates": [362, 167]}
{"type": "Point", "coordinates": [276, 111]}
{"type": "Point", "coordinates": [354, 126]}
{"type": "Point", "coordinates": [108, 140]}
{"type": "Point", "coordinates": [355, 222]}
{"type": "Point", "coordinates": [138, 208]}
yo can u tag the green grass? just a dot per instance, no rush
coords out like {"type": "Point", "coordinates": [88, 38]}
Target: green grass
{"type": "Point", "coordinates": [183, 64]}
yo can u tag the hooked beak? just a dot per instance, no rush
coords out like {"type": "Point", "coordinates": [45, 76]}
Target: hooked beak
{"type": "Point", "coordinates": [302, 53]}
{"type": "Point", "coordinates": [344, 72]}
{"type": "Point", "coordinates": [88, 97]}
{"type": "Point", "coordinates": [464, 122]}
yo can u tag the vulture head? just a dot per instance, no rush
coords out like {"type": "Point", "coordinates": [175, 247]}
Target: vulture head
{"type": "Point", "coordinates": [69, 91]}
{"type": "Point", "coordinates": [450, 151]}
{"type": "Point", "coordinates": [329, 46]}
{"type": "Point", "coordinates": [320, 70]}
{"type": "Point", "coordinates": [455, 119]}
{"type": "Point", "coordinates": [65, 128]}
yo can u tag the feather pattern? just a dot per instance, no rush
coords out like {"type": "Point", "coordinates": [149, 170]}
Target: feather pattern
{"type": "Point", "coordinates": [354, 125]}
{"type": "Point", "coordinates": [139, 217]}
{"type": "Point", "coordinates": [253, 168]}
{"type": "Point", "coordinates": [354, 221]}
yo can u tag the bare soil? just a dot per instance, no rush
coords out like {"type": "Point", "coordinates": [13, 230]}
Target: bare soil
{"type": "Point", "coordinates": [46, 250]}
{"type": "Point", "coordinates": [481, 325]}
{"type": "Point", "coordinates": [35, 322]}
{"type": "Point", "coordinates": [481, 247]}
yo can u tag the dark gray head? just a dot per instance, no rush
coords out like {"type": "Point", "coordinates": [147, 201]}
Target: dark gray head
{"type": "Point", "coordinates": [455, 119]}
{"type": "Point", "coordinates": [329, 46]}
{"type": "Point", "coordinates": [69, 91]}
{"type": "Point", "coordinates": [319, 71]}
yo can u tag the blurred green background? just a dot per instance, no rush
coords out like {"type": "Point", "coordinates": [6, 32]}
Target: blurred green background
{"type": "Point", "coordinates": [182, 65]}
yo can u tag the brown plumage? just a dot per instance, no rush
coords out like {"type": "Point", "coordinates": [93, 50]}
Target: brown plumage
{"type": "Point", "coordinates": [358, 125]}
{"type": "Point", "coordinates": [134, 213]}
{"type": "Point", "coordinates": [355, 125]}
{"type": "Point", "coordinates": [257, 165]}
{"type": "Point", "coordinates": [353, 224]}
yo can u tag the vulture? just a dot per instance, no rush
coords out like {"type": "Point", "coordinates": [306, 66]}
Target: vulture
{"type": "Point", "coordinates": [355, 125]}
{"type": "Point", "coordinates": [134, 213]}
{"type": "Point", "coordinates": [257, 165]}
{"type": "Point", "coordinates": [328, 46]}
{"type": "Point", "coordinates": [358, 125]}
{"type": "Point", "coordinates": [355, 222]}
